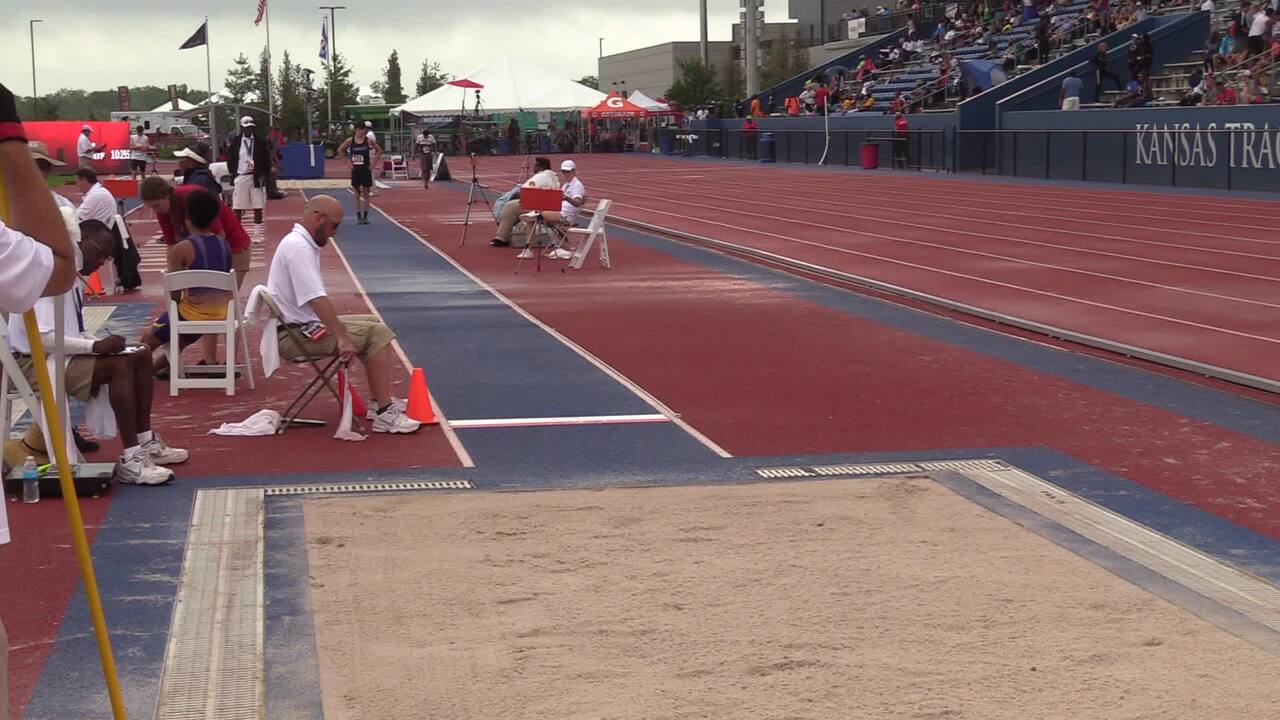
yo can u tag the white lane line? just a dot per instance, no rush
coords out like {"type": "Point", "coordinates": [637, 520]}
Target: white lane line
{"type": "Point", "coordinates": [940, 271]}
{"type": "Point", "coordinates": [966, 251]}
{"type": "Point", "coordinates": [567, 420]}
{"type": "Point", "coordinates": [459, 449]}
{"type": "Point", "coordinates": [604, 367]}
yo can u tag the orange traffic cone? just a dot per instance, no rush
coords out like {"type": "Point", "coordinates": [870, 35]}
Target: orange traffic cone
{"type": "Point", "coordinates": [420, 400]}
{"type": "Point", "coordinates": [95, 284]}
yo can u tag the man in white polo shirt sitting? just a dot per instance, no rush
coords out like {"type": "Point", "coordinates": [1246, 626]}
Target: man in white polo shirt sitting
{"type": "Point", "coordinates": [574, 196]}
{"type": "Point", "coordinates": [297, 285]}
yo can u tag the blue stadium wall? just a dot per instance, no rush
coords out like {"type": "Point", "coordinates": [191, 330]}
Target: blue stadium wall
{"type": "Point", "coordinates": [1234, 147]}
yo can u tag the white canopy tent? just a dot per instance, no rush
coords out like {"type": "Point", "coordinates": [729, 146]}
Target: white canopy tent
{"type": "Point", "coordinates": [183, 105]}
{"type": "Point", "coordinates": [508, 87]}
{"type": "Point", "coordinates": [646, 102]}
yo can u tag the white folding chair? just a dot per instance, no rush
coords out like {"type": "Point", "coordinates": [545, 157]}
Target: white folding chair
{"type": "Point", "coordinates": [14, 387]}
{"type": "Point", "coordinates": [594, 232]}
{"type": "Point", "coordinates": [399, 167]}
{"type": "Point", "coordinates": [231, 327]}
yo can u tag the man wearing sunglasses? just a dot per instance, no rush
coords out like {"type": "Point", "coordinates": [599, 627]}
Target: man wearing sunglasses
{"type": "Point", "coordinates": [296, 283]}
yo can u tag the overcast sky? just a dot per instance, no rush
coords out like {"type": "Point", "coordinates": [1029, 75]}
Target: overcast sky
{"type": "Point", "coordinates": [99, 44]}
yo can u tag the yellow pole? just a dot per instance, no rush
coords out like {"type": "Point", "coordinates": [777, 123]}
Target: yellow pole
{"type": "Point", "coordinates": [53, 423]}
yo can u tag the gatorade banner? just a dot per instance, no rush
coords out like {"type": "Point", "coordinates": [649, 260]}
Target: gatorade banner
{"type": "Point", "coordinates": [61, 137]}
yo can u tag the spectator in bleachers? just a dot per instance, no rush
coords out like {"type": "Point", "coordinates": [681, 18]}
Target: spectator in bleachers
{"type": "Point", "coordinates": [1227, 95]}
{"type": "Point", "coordinates": [1102, 72]}
{"type": "Point", "coordinates": [1042, 40]}
{"type": "Point", "coordinates": [1251, 91]}
{"type": "Point", "coordinates": [1258, 31]}
{"type": "Point", "coordinates": [808, 99]}
{"type": "Point", "coordinates": [1102, 8]}
{"type": "Point", "coordinates": [1028, 10]}
{"type": "Point", "coordinates": [1211, 58]}
{"type": "Point", "coordinates": [865, 70]}
{"type": "Point", "coordinates": [1069, 95]}
{"type": "Point", "coordinates": [899, 104]}
{"type": "Point", "coordinates": [821, 95]}
{"type": "Point", "coordinates": [1241, 22]}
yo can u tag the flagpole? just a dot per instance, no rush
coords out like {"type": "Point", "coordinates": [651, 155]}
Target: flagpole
{"type": "Point", "coordinates": [213, 108]}
{"type": "Point", "coordinates": [271, 96]}
{"type": "Point", "coordinates": [329, 51]}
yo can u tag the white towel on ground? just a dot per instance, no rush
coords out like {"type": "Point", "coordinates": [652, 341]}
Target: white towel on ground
{"type": "Point", "coordinates": [263, 422]}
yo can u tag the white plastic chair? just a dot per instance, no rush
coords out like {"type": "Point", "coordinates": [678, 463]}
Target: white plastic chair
{"type": "Point", "coordinates": [594, 231]}
{"type": "Point", "coordinates": [399, 167]}
{"type": "Point", "coordinates": [231, 327]}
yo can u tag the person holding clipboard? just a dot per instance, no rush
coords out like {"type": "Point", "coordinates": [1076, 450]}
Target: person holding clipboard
{"type": "Point", "coordinates": [108, 369]}
{"type": "Point", "coordinates": [365, 154]}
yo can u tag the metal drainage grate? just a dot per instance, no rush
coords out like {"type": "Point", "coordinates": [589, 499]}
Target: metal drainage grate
{"type": "Point", "coordinates": [1247, 594]}
{"type": "Point", "coordinates": [213, 664]}
{"type": "Point", "coordinates": [369, 487]}
{"type": "Point", "coordinates": [880, 469]}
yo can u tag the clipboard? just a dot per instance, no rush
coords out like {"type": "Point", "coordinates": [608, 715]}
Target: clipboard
{"type": "Point", "coordinates": [540, 200]}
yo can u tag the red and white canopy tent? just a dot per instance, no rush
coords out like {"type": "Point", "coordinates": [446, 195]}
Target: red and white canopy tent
{"type": "Point", "coordinates": [615, 107]}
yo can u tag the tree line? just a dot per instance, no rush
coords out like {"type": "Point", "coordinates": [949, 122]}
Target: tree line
{"type": "Point", "coordinates": [246, 84]}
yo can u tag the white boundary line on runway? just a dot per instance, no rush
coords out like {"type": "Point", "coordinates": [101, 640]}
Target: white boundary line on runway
{"type": "Point", "coordinates": [604, 367]}
{"type": "Point", "coordinates": [567, 420]}
{"type": "Point", "coordinates": [455, 442]}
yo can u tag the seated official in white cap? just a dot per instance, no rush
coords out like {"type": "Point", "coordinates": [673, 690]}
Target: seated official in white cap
{"type": "Point", "coordinates": [86, 149]}
{"type": "Point", "coordinates": [573, 195]}
{"type": "Point", "coordinates": [249, 160]}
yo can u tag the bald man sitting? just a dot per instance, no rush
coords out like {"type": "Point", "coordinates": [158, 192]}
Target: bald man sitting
{"type": "Point", "coordinates": [298, 287]}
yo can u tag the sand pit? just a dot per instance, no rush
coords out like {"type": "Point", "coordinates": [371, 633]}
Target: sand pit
{"type": "Point", "coordinates": [836, 599]}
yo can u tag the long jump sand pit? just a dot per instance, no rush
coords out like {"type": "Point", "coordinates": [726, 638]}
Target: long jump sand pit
{"type": "Point", "coordinates": [877, 598]}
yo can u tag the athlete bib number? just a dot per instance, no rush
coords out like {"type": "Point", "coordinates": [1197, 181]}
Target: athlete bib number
{"type": "Point", "coordinates": [357, 159]}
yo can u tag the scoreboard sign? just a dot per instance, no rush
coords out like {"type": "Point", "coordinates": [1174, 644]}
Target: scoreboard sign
{"type": "Point", "coordinates": [61, 137]}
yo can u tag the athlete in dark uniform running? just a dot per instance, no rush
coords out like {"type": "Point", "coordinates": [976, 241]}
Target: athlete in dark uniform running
{"type": "Point", "coordinates": [365, 154]}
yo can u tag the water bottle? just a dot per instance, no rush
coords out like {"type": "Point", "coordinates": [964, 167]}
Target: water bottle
{"type": "Point", "coordinates": [30, 481]}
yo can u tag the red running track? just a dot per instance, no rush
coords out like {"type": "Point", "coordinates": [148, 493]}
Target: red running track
{"type": "Point", "coordinates": [1146, 269]}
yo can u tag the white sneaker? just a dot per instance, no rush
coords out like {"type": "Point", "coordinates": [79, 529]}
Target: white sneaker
{"type": "Point", "coordinates": [393, 420]}
{"type": "Point", "coordinates": [162, 454]}
{"type": "Point", "coordinates": [141, 470]}
{"type": "Point", "coordinates": [401, 405]}
{"type": "Point", "coordinates": [525, 254]}
{"type": "Point", "coordinates": [561, 254]}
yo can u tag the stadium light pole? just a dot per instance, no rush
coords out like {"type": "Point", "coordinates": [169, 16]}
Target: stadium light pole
{"type": "Point", "coordinates": [31, 27]}
{"type": "Point", "coordinates": [702, 37]}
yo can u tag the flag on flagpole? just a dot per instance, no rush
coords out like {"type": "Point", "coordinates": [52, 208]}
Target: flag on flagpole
{"type": "Point", "coordinates": [324, 41]}
{"type": "Point", "coordinates": [262, 10]}
{"type": "Point", "coordinates": [200, 37]}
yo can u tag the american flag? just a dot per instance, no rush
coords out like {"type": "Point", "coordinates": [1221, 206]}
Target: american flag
{"type": "Point", "coordinates": [324, 41]}
{"type": "Point", "coordinates": [262, 11]}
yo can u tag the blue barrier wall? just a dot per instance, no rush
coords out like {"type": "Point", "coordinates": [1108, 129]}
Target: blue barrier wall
{"type": "Point", "coordinates": [979, 112]}
{"type": "Point", "coordinates": [1176, 38]}
{"type": "Point", "coordinates": [803, 139]}
{"type": "Point", "coordinates": [1213, 147]}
